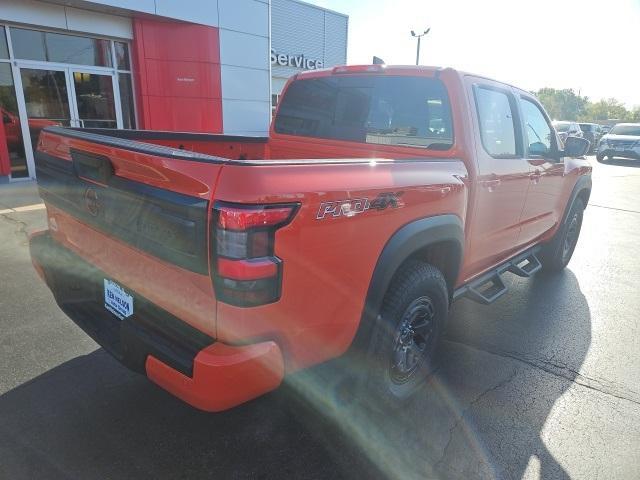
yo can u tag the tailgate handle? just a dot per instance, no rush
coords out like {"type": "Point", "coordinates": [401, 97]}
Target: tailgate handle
{"type": "Point", "coordinates": [89, 166]}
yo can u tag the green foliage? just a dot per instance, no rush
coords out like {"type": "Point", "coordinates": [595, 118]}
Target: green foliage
{"type": "Point", "coordinates": [567, 105]}
{"type": "Point", "coordinates": [562, 104]}
{"type": "Point", "coordinates": [606, 109]}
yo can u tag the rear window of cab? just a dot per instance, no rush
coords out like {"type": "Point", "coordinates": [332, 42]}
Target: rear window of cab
{"type": "Point", "coordinates": [385, 110]}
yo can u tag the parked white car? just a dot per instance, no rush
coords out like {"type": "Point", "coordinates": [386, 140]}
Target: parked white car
{"type": "Point", "coordinates": [622, 141]}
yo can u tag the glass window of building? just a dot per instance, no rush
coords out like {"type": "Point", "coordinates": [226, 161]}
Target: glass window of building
{"type": "Point", "coordinates": [122, 55]}
{"type": "Point", "coordinates": [126, 101]}
{"type": "Point", "coordinates": [4, 48]}
{"type": "Point", "coordinates": [60, 48]}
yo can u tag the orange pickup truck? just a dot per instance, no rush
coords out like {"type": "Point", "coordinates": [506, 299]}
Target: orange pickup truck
{"type": "Point", "coordinates": [217, 265]}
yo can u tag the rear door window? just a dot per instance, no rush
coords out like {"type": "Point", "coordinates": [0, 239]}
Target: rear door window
{"type": "Point", "coordinates": [386, 110]}
{"type": "Point", "coordinates": [497, 128]}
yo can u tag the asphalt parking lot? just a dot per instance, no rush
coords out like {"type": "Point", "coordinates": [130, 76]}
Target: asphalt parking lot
{"type": "Point", "coordinates": [545, 383]}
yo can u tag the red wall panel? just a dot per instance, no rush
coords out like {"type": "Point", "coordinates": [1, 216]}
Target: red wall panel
{"type": "Point", "coordinates": [183, 79]}
{"type": "Point", "coordinates": [173, 113]}
{"type": "Point", "coordinates": [177, 69]}
{"type": "Point", "coordinates": [167, 40]}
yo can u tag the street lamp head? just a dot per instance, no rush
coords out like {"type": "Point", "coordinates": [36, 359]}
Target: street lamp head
{"type": "Point", "coordinates": [413, 34]}
{"type": "Point", "coordinates": [427, 31]}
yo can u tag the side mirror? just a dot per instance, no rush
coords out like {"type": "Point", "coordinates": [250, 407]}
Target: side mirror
{"type": "Point", "coordinates": [538, 148]}
{"type": "Point", "coordinates": [576, 147]}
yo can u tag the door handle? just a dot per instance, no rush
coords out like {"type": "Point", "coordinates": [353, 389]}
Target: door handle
{"type": "Point", "coordinates": [535, 176]}
{"type": "Point", "coordinates": [491, 185]}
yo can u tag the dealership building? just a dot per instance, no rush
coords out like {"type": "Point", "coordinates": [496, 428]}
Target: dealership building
{"type": "Point", "coordinates": [210, 66]}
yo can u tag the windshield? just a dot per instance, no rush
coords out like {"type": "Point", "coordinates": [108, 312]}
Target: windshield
{"type": "Point", "coordinates": [562, 127]}
{"type": "Point", "coordinates": [407, 111]}
{"type": "Point", "coordinates": [633, 130]}
{"type": "Point", "coordinates": [586, 127]}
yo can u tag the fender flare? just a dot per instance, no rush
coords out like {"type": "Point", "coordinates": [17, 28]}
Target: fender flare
{"type": "Point", "coordinates": [583, 183]}
{"type": "Point", "coordinates": [405, 242]}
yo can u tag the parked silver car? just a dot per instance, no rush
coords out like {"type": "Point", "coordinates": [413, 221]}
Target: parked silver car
{"type": "Point", "coordinates": [622, 141]}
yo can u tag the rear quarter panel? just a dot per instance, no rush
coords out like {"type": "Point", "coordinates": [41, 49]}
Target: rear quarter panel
{"type": "Point", "coordinates": [328, 262]}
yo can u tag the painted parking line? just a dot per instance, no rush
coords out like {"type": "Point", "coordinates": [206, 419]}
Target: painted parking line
{"type": "Point", "coordinates": [25, 208]}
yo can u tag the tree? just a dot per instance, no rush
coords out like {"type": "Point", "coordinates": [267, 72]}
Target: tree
{"type": "Point", "coordinates": [566, 105]}
{"type": "Point", "coordinates": [607, 109]}
{"type": "Point", "coordinates": [562, 104]}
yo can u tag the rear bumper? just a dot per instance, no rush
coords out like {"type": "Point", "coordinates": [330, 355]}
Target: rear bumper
{"type": "Point", "coordinates": [208, 375]}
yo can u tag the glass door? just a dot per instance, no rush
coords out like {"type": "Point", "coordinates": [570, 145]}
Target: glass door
{"type": "Point", "coordinates": [94, 100]}
{"type": "Point", "coordinates": [46, 97]}
{"type": "Point", "coordinates": [67, 96]}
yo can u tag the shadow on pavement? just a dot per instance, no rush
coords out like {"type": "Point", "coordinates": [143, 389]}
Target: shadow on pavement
{"type": "Point", "coordinates": [480, 416]}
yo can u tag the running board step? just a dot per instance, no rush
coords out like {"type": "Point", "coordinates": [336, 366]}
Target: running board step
{"type": "Point", "coordinates": [487, 291]}
{"type": "Point", "coordinates": [490, 286]}
{"type": "Point", "coordinates": [526, 267]}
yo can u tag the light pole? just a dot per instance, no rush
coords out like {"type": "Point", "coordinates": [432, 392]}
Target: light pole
{"type": "Point", "coordinates": [413, 34]}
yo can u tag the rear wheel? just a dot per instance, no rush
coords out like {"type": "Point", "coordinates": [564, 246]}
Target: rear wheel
{"type": "Point", "coordinates": [404, 341]}
{"type": "Point", "coordinates": [599, 157]}
{"type": "Point", "coordinates": [556, 254]}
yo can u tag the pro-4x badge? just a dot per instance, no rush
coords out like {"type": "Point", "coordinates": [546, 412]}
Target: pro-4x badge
{"type": "Point", "coordinates": [354, 206]}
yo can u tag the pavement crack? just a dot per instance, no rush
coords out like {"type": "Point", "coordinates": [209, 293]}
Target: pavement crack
{"type": "Point", "coordinates": [22, 226]}
{"type": "Point", "coordinates": [464, 413]}
{"type": "Point", "coordinates": [614, 208]}
{"type": "Point", "coordinates": [562, 371]}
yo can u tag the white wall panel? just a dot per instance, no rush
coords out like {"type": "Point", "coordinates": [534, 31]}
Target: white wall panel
{"type": "Point", "coordinates": [65, 18]}
{"type": "Point", "coordinates": [244, 50]}
{"type": "Point", "coordinates": [99, 23]}
{"type": "Point", "coordinates": [33, 13]}
{"type": "Point", "coordinates": [246, 117]}
{"type": "Point", "coordinates": [247, 16]}
{"type": "Point", "coordinates": [240, 83]}
{"type": "Point", "coordinates": [204, 12]}
{"type": "Point", "coordinates": [146, 6]}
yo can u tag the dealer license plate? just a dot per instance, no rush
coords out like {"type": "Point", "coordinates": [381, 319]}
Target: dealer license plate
{"type": "Point", "coordinates": [117, 300]}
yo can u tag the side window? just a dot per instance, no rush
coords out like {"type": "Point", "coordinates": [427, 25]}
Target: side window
{"type": "Point", "coordinates": [497, 129]}
{"type": "Point", "coordinates": [538, 132]}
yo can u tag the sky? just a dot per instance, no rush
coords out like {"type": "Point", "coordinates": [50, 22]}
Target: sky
{"type": "Point", "coordinates": [590, 46]}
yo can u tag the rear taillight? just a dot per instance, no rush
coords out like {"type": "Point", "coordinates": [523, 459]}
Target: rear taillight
{"type": "Point", "coordinates": [246, 272]}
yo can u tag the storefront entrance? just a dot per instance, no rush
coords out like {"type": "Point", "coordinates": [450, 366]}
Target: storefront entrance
{"type": "Point", "coordinates": [35, 94]}
{"type": "Point", "coordinates": [67, 97]}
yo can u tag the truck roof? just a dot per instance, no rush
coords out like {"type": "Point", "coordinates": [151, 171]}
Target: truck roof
{"type": "Point", "coordinates": [379, 69]}
{"type": "Point", "coordinates": [382, 69]}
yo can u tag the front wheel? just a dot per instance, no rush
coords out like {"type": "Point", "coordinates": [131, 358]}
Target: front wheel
{"type": "Point", "coordinates": [599, 157]}
{"type": "Point", "coordinates": [556, 254]}
{"type": "Point", "coordinates": [404, 341]}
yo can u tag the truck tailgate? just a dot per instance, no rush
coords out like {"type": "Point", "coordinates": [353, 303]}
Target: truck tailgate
{"type": "Point", "coordinates": [138, 212]}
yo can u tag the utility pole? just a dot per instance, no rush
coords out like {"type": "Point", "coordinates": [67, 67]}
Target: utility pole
{"type": "Point", "coordinates": [413, 34]}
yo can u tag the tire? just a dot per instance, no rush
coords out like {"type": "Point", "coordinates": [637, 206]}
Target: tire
{"type": "Point", "coordinates": [599, 157]}
{"type": "Point", "coordinates": [404, 341]}
{"type": "Point", "coordinates": [556, 254]}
